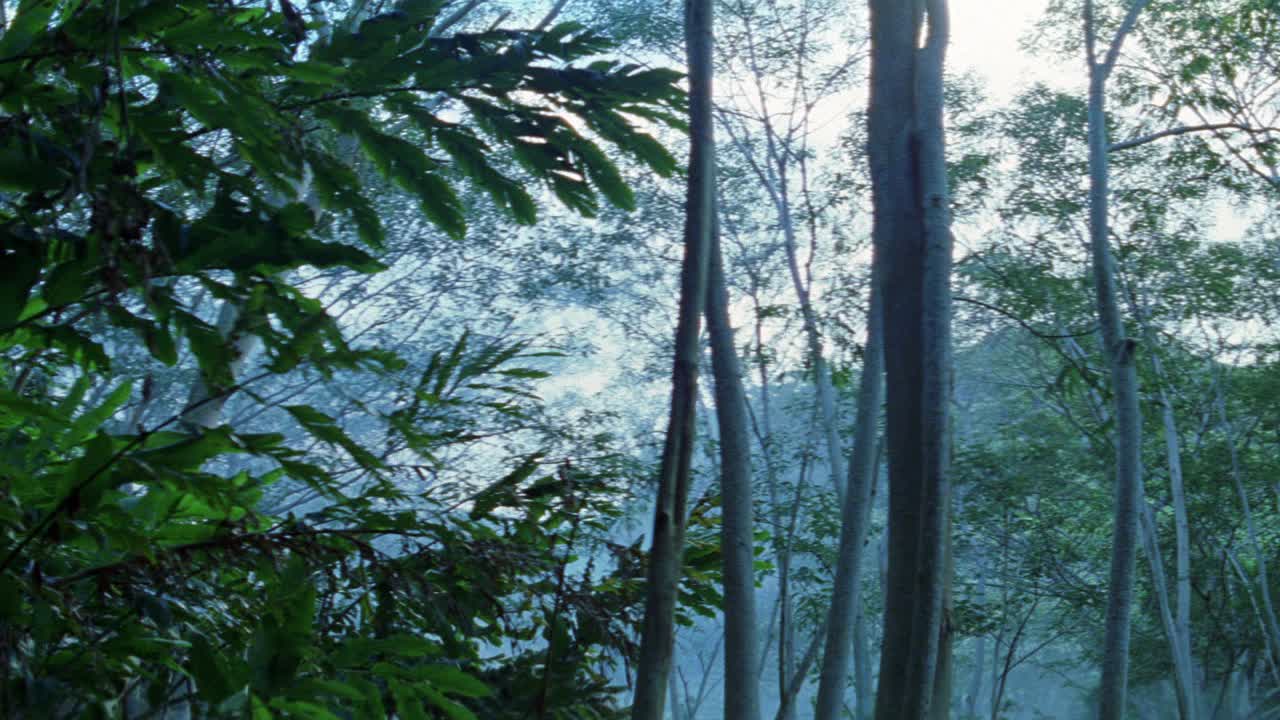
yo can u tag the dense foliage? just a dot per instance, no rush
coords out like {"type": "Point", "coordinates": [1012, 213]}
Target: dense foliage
{"type": "Point", "coordinates": [168, 162]}
{"type": "Point", "coordinates": [304, 308]}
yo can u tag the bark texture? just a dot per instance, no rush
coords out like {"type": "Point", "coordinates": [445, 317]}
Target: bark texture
{"type": "Point", "coordinates": [665, 560]}
{"type": "Point", "coordinates": [737, 538]}
{"type": "Point", "coordinates": [855, 515]}
{"type": "Point", "coordinates": [1119, 351]}
{"type": "Point", "coordinates": [912, 236]}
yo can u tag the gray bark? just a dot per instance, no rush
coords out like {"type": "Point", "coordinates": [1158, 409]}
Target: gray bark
{"type": "Point", "coordinates": [1179, 630]}
{"type": "Point", "coordinates": [737, 544]}
{"type": "Point", "coordinates": [1160, 583]}
{"type": "Point", "coordinates": [940, 707]}
{"type": "Point", "coordinates": [665, 560]}
{"type": "Point", "coordinates": [1119, 351]}
{"type": "Point", "coordinates": [979, 652]}
{"type": "Point", "coordinates": [911, 230]}
{"type": "Point", "coordinates": [861, 663]}
{"type": "Point", "coordinates": [204, 404]}
{"type": "Point", "coordinates": [864, 686]}
{"type": "Point", "coordinates": [855, 517]}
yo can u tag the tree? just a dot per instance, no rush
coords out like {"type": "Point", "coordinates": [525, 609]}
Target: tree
{"type": "Point", "coordinates": [160, 149]}
{"type": "Point", "coordinates": [1120, 351]}
{"type": "Point", "coordinates": [665, 558]}
{"type": "Point", "coordinates": [913, 241]}
{"type": "Point", "coordinates": [741, 694]}
{"type": "Point", "coordinates": [854, 518]}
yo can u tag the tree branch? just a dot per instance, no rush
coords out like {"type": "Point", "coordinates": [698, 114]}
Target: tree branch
{"type": "Point", "coordinates": [1126, 26]}
{"type": "Point", "coordinates": [454, 18]}
{"type": "Point", "coordinates": [1184, 130]}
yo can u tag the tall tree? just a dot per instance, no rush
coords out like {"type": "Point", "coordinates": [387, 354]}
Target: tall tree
{"type": "Point", "coordinates": [1119, 351]}
{"type": "Point", "coordinates": [665, 559]}
{"type": "Point", "coordinates": [855, 516]}
{"type": "Point", "coordinates": [911, 229]}
{"type": "Point", "coordinates": [737, 545]}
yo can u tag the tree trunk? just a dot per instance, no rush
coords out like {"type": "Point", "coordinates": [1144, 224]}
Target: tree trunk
{"type": "Point", "coordinates": [1270, 625]}
{"type": "Point", "coordinates": [855, 516]}
{"type": "Point", "coordinates": [979, 653]}
{"type": "Point", "coordinates": [864, 686]}
{"type": "Point", "coordinates": [1160, 584]}
{"type": "Point", "coordinates": [665, 560]}
{"type": "Point", "coordinates": [1119, 351]}
{"type": "Point", "coordinates": [1178, 620]}
{"type": "Point", "coordinates": [1188, 696]}
{"type": "Point", "coordinates": [204, 404]}
{"type": "Point", "coordinates": [673, 693]}
{"type": "Point", "coordinates": [861, 662]}
{"type": "Point", "coordinates": [780, 541]}
{"type": "Point", "coordinates": [940, 707]}
{"type": "Point", "coordinates": [821, 370]}
{"type": "Point", "coordinates": [737, 539]}
{"type": "Point", "coordinates": [911, 230]}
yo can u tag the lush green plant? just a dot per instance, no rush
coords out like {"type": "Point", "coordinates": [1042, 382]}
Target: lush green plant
{"type": "Point", "coordinates": [155, 153]}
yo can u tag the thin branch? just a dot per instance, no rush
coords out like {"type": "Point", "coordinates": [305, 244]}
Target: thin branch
{"type": "Point", "coordinates": [454, 18]}
{"type": "Point", "coordinates": [551, 15]}
{"type": "Point", "coordinates": [1184, 130]}
{"type": "Point", "coordinates": [1024, 324]}
{"type": "Point", "coordinates": [1126, 26]}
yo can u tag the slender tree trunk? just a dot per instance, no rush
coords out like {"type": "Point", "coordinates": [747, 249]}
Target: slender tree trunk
{"type": "Point", "coordinates": [792, 686]}
{"type": "Point", "coordinates": [772, 174]}
{"type": "Point", "coordinates": [204, 403]}
{"type": "Point", "coordinates": [1271, 627]}
{"type": "Point", "coordinates": [1119, 351]}
{"type": "Point", "coordinates": [912, 232]}
{"type": "Point", "coordinates": [737, 544]}
{"type": "Point", "coordinates": [665, 560]}
{"type": "Point", "coordinates": [1176, 616]}
{"type": "Point", "coordinates": [673, 694]}
{"type": "Point", "coordinates": [781, 541]}
{"type": "Point", "coordinates": [1186, 671]}
{"type": "Point", "coordinates": [861, 663]}
{"type": "Point", "coordinates": [821, 371]}
{"type": "Point", "coordinates": [855, 517]}
{"type": "Point", "coordinates": [1160, 584]}
{"type": "Point", "coordinates": [1178, 620]}
{"type": "Point", "coordinates": [940, 707]}
{"type": "Point", "coordinates": [864, 685]}
{"type": "Point", "coordinates": [979, 653]}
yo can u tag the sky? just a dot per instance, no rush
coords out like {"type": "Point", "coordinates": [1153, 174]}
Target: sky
{"type": "Point", "coordinates": [985, 36]}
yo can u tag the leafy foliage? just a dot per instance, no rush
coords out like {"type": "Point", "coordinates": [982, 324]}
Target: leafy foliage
{"type": "Point", "coordinates": [158, 154]}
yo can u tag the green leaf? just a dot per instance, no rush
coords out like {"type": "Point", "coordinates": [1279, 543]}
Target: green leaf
{"type": "Point", "coordinates": [209, 670]}
{"type": "Point", "coordinates": [316, 73]}
{"type": "Point", "coordinates": [1198, 66]}
{"type": "Point", "coordinates": [91, 421]}
{"type": "Point", "coordinates": [407, 702]}
{"type": "Point", "coordinates": [16, 411]}
{"type": "Point", "coordinates": [338, 189]}
{"type": "Point", "coordinates": [451, 680]}
{"type": "Point", "coordinates": [325, 428]}
{"type": "Point", "coordinates": [29, 22]}
{"type": "Point", "coordinates": [20, 265]}
{"type": "Point", "coordinates": [502, 492]}
{"type": "Point", "coordinates": [451, 709]}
